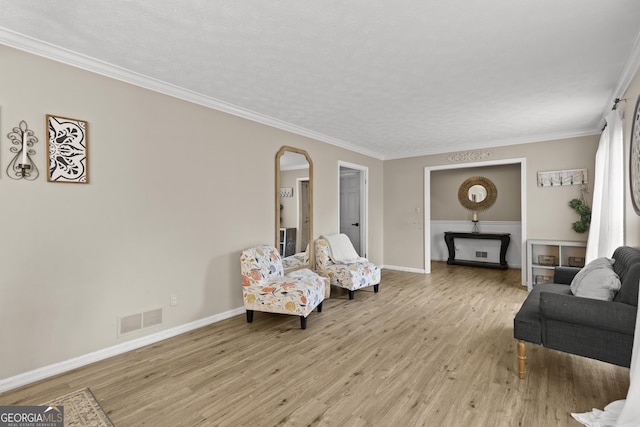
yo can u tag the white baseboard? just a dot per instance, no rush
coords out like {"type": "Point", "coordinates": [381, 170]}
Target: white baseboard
{"type": "Point", "coordinates": [407, 269]}
{"type": "Point", "coordinates": [77, 362]}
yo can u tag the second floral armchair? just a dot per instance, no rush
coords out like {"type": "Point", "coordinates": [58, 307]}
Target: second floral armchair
{"type": "Point", "coordinates": [351, 274]}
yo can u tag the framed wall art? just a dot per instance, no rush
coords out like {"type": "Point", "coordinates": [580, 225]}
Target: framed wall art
{"type": "Point", "coordinates": [67, 156]}
{"type": "Point", "coordinates": [634, 158]}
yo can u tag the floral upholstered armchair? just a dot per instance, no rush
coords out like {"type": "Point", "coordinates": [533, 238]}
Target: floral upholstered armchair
{"type": "Point", "coordinates": [265, 287]}
{"type": "Point", "coordinates": [351, 274]}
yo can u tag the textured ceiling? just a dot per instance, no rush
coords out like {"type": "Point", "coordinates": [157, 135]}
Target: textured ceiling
{"type": "Point", "coordinates": [390, 79]}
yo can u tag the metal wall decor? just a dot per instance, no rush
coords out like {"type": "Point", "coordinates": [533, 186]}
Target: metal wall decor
{"type": "Point", "coordinates": [67, 150]}
{"type": "Point", "coordinates": [469, 156]}
{"type": "Point", "coordinates": [561, 178]}
{"type": "Point", "coordinates": [634, 159]}
{"type": "Point", "coordinates": [22, 166]}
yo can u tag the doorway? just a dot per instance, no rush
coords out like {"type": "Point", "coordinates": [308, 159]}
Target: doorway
{"type": "Point", "coordinates": [523, 206]}
{"type": "Point", "coordinates": [353, 204]}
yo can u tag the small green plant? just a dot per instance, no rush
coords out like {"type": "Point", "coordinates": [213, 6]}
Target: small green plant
{"type": "Point", "coordinates": [580, 206]}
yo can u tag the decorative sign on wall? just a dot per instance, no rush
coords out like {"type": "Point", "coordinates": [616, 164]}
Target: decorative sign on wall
{"type": "Point", "coordinates": [286, 192]}
{"type": "Point", "coordinates": [469, 156]}
{"type": "Point", "coordinates": [560, 178]}
{"type": "Point", "coordinates": [67, 150]}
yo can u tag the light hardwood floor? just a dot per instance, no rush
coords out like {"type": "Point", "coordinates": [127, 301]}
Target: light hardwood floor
{"type": "Point", "coordinates": [432, 350]}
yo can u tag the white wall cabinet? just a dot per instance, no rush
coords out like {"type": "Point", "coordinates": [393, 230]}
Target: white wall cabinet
{"type": "Point", "coordinates": [544, 255]}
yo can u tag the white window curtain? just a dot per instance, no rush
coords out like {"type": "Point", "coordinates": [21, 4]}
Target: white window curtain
{"type": "Point", "coordinates": [621, 413]}
{"type": "Point", "coordinates": [606, 231]}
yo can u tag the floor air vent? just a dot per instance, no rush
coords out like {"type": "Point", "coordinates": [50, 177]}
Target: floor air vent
{"type": "Point", "coordinates": [135, 322]}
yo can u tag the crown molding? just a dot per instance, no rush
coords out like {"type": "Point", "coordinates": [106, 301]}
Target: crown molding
{"type": "Point", "coordinates": [483, 146]}
{"type": "Point", "coordinates": [47, 50]}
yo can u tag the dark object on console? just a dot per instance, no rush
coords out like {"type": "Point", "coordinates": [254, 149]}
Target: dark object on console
{"type": "Point", "coordinates": [603, 330]}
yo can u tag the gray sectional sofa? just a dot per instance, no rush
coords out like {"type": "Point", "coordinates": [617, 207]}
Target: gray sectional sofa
{"type": "Point", "coordinates": [552, 316]}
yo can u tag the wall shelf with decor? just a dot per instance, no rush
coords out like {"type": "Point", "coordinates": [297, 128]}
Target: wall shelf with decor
{"type": "Point", "coordinates": [544, 255]}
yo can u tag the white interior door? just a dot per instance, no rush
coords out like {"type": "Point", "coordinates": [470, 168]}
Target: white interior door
{"type": "Point", "coordinates": [350, 212]}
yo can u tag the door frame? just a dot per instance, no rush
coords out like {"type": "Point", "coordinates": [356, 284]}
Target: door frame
{"type": "Point", "coordinates": [523, 205]}
{"type": "Point", "coordinates": [364, 203]}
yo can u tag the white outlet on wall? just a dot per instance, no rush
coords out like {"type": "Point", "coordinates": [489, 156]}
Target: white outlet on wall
{"type": "Point", "coordinates": [174, 300]}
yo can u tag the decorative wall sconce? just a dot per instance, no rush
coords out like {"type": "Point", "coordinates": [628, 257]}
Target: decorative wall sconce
{"type": "Point", "coordinates": [22, 166]}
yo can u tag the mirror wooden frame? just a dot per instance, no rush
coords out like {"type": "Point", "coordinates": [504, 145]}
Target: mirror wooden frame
{"type": "Point", "coordinates": [463, 193]}
{"type": "Point", "coordinates": [279, 155]}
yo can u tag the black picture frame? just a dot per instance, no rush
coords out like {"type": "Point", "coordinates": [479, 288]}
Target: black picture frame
{"type": "Point", "coordinates": [67, 150]}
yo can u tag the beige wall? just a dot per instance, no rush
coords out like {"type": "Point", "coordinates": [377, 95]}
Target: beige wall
{"type": "Point", "coordinates": [548, 215]}
{"type": "Point", "coordinates": [176, 191]}
{"type": "Point", "coordinates": [444, 193]}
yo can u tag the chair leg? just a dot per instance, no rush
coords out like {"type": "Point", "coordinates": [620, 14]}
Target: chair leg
{"type": "Point", "coordinates": [320, 308]}
{"type": "Point", "coordinates": [375, 288]}
{"type": "Point", "coordinates": [249, 316]}
{"type": "Point", "coordinates": [522, 358]}
{"type": "Point", "coordinates": [303, 322]}
{"type": "Point", "coordinates": [351, 294]}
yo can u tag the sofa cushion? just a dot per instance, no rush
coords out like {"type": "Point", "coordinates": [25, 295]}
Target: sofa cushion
{"type": "Point", "coordinates": [596, 264]}
{"type": "Point", "coordinates": [601, 283]}
{"type": "Point", "coordinates": [596, 280]}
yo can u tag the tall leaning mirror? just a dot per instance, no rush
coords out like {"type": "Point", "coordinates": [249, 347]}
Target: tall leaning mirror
{"type": "Point", "coordinates": [294, 208]}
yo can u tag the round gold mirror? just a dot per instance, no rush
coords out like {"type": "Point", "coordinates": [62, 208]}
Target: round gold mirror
{"type": "Point", "coordinates": [477, 193]}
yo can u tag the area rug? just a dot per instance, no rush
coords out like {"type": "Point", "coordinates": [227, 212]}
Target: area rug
{"type": "Point", "coordinates": [81, 409]}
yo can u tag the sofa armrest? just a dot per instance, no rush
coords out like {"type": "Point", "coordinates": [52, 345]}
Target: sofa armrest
{"type": "Point", "coordinates": [607, 315]}
{"type": "Point", "coordinates": [564, 275]}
